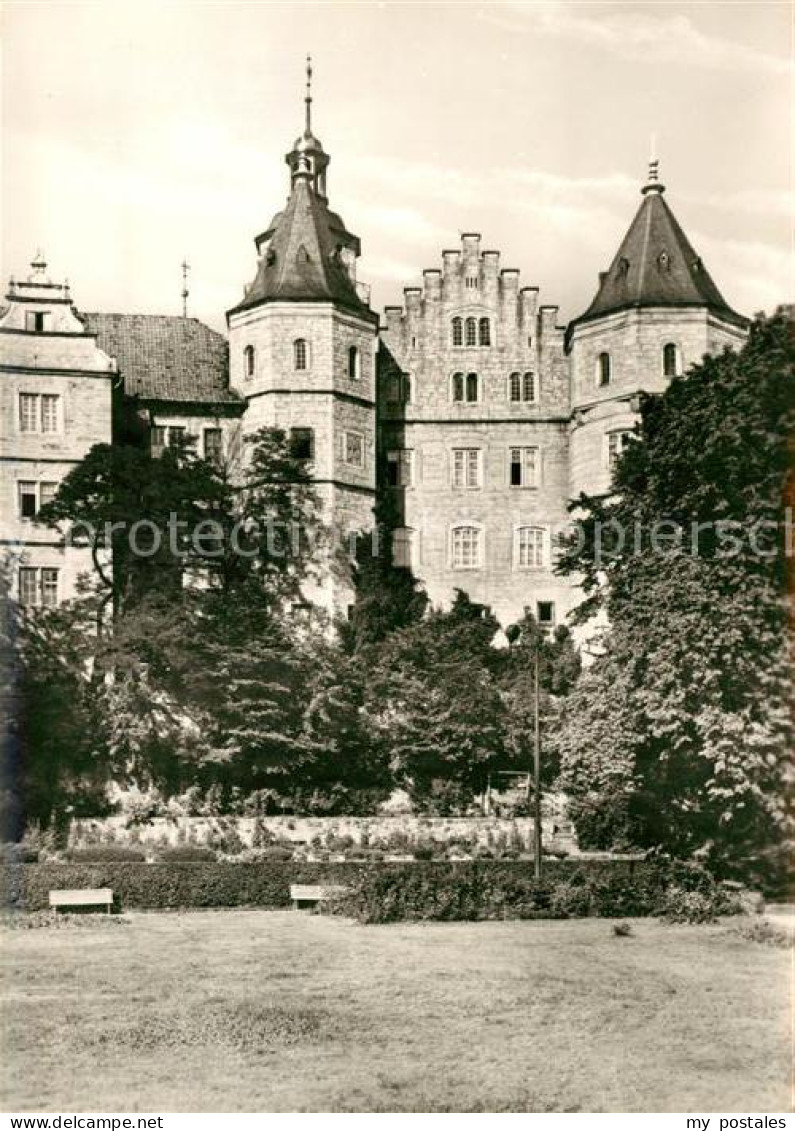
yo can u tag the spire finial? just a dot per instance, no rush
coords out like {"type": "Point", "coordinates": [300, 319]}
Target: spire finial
{"type": "Point", "coordinates": [38, 264]}
{"type": "Point", "coordinates": [308, 97]}
{"type": "Point", "coordinates": [185, 291]}
{"type": "Point", "coordinates": [653, 179]}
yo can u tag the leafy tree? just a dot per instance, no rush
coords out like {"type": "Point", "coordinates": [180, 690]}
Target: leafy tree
{"type": "Point", "coordinates": [433, 697]}
{"type": "Point", "coordinates": [688, 558]}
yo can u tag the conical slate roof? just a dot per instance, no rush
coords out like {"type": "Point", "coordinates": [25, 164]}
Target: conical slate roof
{"type": "Point", "coordinates": [656, 265]}
{"type": "Point", "coordinates": [302, 255]}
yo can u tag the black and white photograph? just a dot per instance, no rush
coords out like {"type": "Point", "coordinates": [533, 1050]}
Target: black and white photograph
{"type": "Point", "coordinates": [397, 558]}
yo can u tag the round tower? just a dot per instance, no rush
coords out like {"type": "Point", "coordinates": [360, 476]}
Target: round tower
{"type": "Point", "coordinates": [302, 346]}
{"type": "Point", "coordinates": [656, 312]}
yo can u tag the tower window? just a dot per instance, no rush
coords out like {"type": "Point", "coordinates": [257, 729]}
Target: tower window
{"type": "Point", "coordinates": [604, 369]}
{"type": "Point", "coordinates": [354, 364]}
{"type": "Point", "coordinates": [545, 614]}
{"type": "Point", "coordinates": [248, 361]}
{"type": "Point", "coordinates": [672, 360]}
{"type": "Point", "coordinates": [458, 332]}
{"type": "Point", "coordinates": [530, 547]}
{"type": "Point", "coordinates": [458, 387]}
{"type": "Point", "coordinates": [616, 444]}
{"type": "Point", "coordinates": [485, 332]}
{"type": "Point", "coordinates": [524, 467]}
{"type": "Point", "coordinates": [353, 448]}
{"type": "Point", "coordinates": [472, 387]}
{"type": "Point", "coordinates": [471, 332]}
{"type": "Point", "coordinates": [301, 353]}
{"type": "Point", "coordinates": [27, 499]}
{"type": "Point", "coordinates": [302, 443]}
{"type": "Point", "coordinates": [465, 547]}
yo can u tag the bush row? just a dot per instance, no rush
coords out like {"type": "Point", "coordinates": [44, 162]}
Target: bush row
{"type": "Point", "coordinates": [380, 892]}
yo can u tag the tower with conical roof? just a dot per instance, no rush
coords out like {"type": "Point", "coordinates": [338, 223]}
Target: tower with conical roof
{"type": "Point", "coordinates": [302, 344]}
{"type": "Point", "coordinates": [656, 312]}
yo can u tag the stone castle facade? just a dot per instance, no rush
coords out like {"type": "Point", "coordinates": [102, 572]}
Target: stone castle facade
{"type": "Point", "coordinates": [476, 412]}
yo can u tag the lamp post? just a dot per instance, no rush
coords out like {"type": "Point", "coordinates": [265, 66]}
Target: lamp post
{"type": "Point", "coordinates": [513, 633]}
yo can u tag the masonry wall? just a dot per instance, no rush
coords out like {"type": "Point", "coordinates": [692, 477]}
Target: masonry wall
{"type": "Point", "coordinates": [634, 339]}
{"type": "Point", "coordinates": [66, 362]}
{"type": "Point", "coordinates": [524, 337]}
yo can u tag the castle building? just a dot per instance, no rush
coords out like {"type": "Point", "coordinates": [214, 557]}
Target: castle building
{"type": "Point", "coordinates": [471, 407]}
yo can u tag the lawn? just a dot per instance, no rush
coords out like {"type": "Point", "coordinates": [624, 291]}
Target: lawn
{"type": "Point", "coordinates": [248, 1010]}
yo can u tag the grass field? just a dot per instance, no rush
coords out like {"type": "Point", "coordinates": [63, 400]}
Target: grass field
{"type": "Point", "coordinates": [251, 1010]}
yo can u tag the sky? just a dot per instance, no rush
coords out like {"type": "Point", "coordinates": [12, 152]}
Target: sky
{"type": "Point", "coordinates": [137, 134]}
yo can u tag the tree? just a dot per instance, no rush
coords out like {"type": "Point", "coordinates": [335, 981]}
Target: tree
{"type": "Point", "coordinates": [433, 697]}
{"type": "Point", "coordinates": [688, 557]}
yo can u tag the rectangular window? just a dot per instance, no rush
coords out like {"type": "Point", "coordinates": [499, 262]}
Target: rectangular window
{"type": "Point", "coordinates": [530, 547]}
{"type": "Point", "coordinates": [524, 467]}
{"type": "Point", "coordinates": [157, 440]}
{"type": "Point", "coordinates": [545, 614]}
{"type": "Point", "coordinates": [28, 586]}
{"type": "Point", "coordinates": [49, 588]}
{"type": "Point", "coordinates": [176, 434]}
{"type": "Point", "coordinates": [466, 468]}
{"type": "Point", "coordinates": [402, 540]}
{"type": "Point", "coordinates": [36, 320]}
{"type": "Point", "coordinates": [47, 492]}
{"type": "Point", "coordinates": [399, 467]}
{"type": "Point", "coordinates": [27, 499]}
{"type": "Point", "coordinates": [28, 412]}
{"type": "Point", "coordinates": [49, 412]}
{"type": "Point", "coordinates": [213, 445]}
{"type": "Point", "coordinates": [353, 448]}
{"type": "Point", "coordinates": [302, 443]}
{"type": "Point", "coordinates": [616, 443]}
{"type": "Point", "coordinates": [465, 547]}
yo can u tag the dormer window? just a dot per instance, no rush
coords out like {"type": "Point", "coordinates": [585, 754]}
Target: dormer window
{"type": "Point", "coordinates": [484, 328]}
{"type": "Point", "coordinates": [672, 360]}
{"type": "Point", "coordinates": [458, 331]}
{"type": "Point", "coordinates": [664, 261]}
{"type": "Point", "coordinates": [603, 369]}
{"type": "Point", "coordinates": [354, 364]}
{"type": "Point", "coordinates": [248, 362]}
{"type": "Point", "coordinates": [37, 321]}
{"type": "Point", "coordinates": [623, 267]}
{"type": "Point", "coordinates": [301, 353]}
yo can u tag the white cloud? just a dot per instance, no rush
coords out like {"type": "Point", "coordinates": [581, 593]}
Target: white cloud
{"type": "Point", "coordinates": [635, 35]}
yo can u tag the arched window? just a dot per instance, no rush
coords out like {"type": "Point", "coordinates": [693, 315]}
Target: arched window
{"type": "Point", "coordinates": [458, 332]}
{"type": "Point", "coordinates": [515, 387]}
{"type": "Point", "coordinates": [603, 369]}
{"type": "Point", "coordinates": [458, 386]}
{"type": "Point", "coordinates": [465, 547]}
{"type": "Point", "coordinates": [301, 353]}
{"type": "Point", "coordinates": [485, 332]}
{"type": "Point", "coordinates": [528, 387]}
{"type": "Point", "coordinates": [471, 332]}
{"type": "Point", "coordinates": [248, 361]}
{"type": "Point", "coordinates": [353, 363]}
{"type": "Point", "coordinates": [472, 387]}
{"type": "Point", "coordinates": [530, 547]}
{"type": "Point", "coordinates": [672, 360]}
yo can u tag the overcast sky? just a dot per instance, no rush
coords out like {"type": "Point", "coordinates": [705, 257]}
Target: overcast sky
{"type": "Point", "coordinates": [137, 133]}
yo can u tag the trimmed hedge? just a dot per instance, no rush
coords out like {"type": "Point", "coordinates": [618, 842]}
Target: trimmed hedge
{"type": "Point", "coordinates": [465, 887]}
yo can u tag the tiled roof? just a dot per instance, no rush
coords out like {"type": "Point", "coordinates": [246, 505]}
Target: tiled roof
{"type": "Point", "coordinates": [656, 265]}
{"type": "Point", "coordinates": [302, 256]}
{"type": "Point", "coordinates": [163, 357]}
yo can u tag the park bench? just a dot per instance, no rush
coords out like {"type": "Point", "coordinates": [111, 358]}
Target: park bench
{"type": "Point", "coordinates": [314, 895]}
{"type": "Point", "coordinates": [85, 897]}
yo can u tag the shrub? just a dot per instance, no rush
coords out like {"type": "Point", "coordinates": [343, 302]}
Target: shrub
{"type": "Point", "coordinates": [763, 931]}
{"type": "Point", "coordinates": [104, 853]}
{"type": "Point", "coordinates": [678, 905]}
{"type": "Point", "coordinates": [571, 901]}
{"type": "Point", "coordinates": [190, 853]}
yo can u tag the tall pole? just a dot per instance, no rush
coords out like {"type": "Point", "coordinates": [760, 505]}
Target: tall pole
{"type": "Point", "coordinates": [536, 774]}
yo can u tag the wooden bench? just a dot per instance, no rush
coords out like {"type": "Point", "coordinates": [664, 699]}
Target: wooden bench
{"type": "Point", "coordinates": [85, 897]}
{"type": "Point", "coordinates": [312, 895]}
